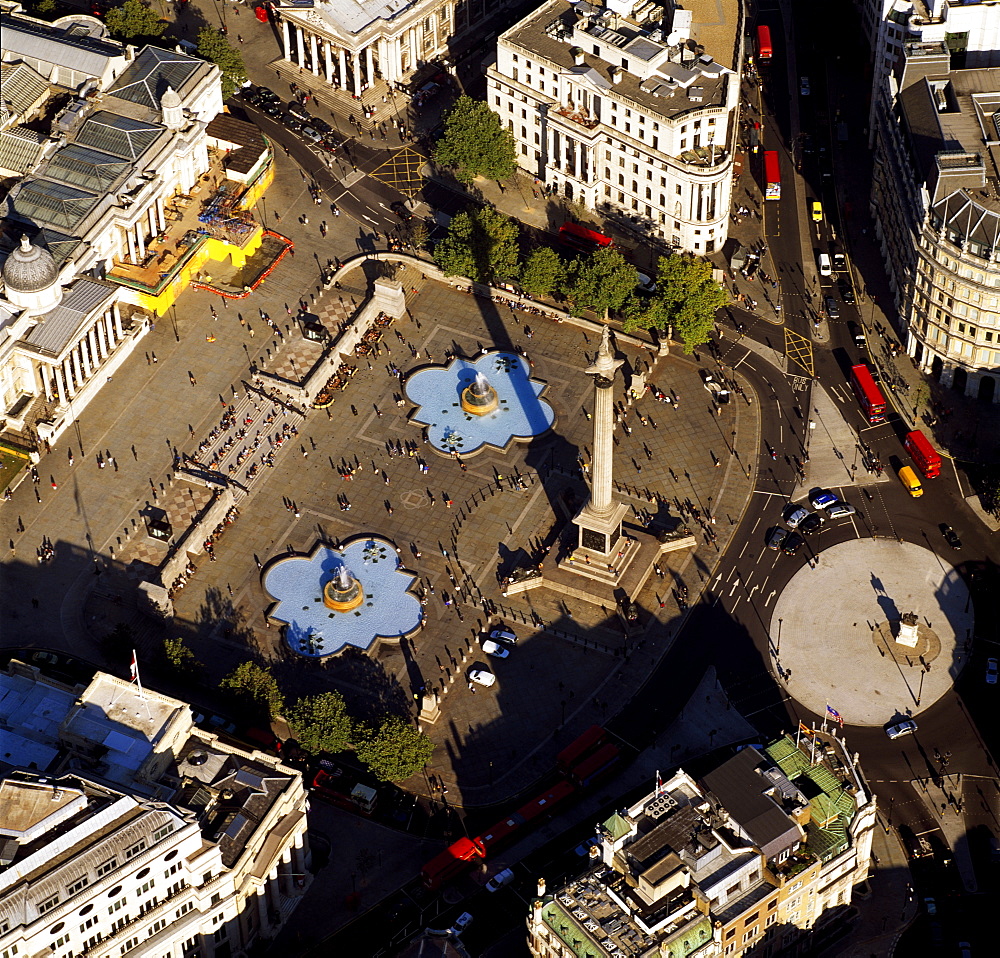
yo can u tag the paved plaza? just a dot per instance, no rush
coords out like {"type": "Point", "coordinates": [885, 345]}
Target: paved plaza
{"type": "Point", "coordinates": [461, 531]}
{"type": "Point", "coordinates": [834, 627]}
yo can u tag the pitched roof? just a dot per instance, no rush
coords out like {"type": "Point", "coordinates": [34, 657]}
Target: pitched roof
{"type": "Point", "coordinates": [20, 149]}
{"type": "Point", "coordinates": [59, 326]}
{"type": "Point", "coordinates": [23, 87]}
{"type": "Point", "coordinates": [74, 50]}
{"type": "Point", "coordinates": [149, 75]}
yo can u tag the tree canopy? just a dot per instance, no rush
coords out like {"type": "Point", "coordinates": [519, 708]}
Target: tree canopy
{"type": "Point", "coordinates": [255, 683]}
{"type": "Point", "coordinates": [601, 281]}
{"type": "Point", "coordinates": [481, 244]}
{"type": "Point", "coordinates": [178, 656]}
{"type": "Point", "coordinates": [395, 750]}
{"type": "Point", "coordinates": [132, 19]}
{"type": "Point", "coordinates": [213, 46]}
{"type": "Point", "coordinates": [320, 722]}
{"type": "Point", "coordinates": [543, 272]}
{"type": "Point", "coordinates": [687, 299]}
{"type": "Point", "coordinates": [475, 143]}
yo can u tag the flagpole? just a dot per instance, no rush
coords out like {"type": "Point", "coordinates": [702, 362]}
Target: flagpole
{"type": "Point", "coordinates": [138, 683]}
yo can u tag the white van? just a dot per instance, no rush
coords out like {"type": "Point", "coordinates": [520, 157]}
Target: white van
{"type": "Point", "coordinates": [825, 266]}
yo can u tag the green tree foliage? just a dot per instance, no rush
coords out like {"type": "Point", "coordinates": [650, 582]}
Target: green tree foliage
{"type": "Point", "coordinates": [601, 282]}
{"type": "Point", "coordinates": [320, 722]}
{"type": "Point", "coordinates": [213, 46]}
{"type": "Point", "coordinates": [395, 750]}
{"type": "Point", "coordinates": [475, 143]}
{"type": "Point", "coordinates": [542, 272]}
{"type": "Point", "coordinates": [481, 244]}
{"type": "Point", "coordinates": [133, 19]}
{"type": "Point", "coordinates": [687, 299]}
{"type": "Point", "coordinates": [418, 234]}
{"type": "Point", "coordinates": [179, 656]}
{"type": "Point", "coordinates": [250, 681]}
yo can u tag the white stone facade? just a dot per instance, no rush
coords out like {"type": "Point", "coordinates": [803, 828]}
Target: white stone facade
{"type": "Point", "coordinates": [106, 861]}
{"type": "Point", "coordinates": [627, 115]}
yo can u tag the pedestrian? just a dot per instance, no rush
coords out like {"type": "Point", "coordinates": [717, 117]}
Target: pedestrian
{"type": "Point", "coordinates": [194, 382]}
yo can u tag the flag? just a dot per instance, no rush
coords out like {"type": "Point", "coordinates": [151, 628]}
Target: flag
{"type": "Point", "coordinates": [659, 782]}
{"type": "Point", "coordinates": [835, 715]}
{"type": "Point", "coordinates": [805, 728]}
{"type": "Point", "coordinates": [134, 668]}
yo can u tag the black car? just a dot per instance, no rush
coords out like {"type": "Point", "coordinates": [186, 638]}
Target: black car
{"type": "Point", "coordinates": [951, 537]}
{"type": "Point", "coordinates": [317, 124]}
{"type": "Point", "coordinates": [292, 122]}
{"type": "Point", "coordinates": [847, 294]}
{"type": "Point", "coordinates": [812, 523]}
{"type": "Point", "coordinates": [400, 209]}
{"type": "Point", "coordinates": [297, 109]}
{"type": "Point", "coordinates": [832, 309]}
{"type": "Point", "coordinates": [792, 544]}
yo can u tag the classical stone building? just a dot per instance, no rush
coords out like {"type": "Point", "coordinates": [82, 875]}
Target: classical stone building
{"type": "Point", "coordinates": [352, 43]}
{"type": "Point", "coordinates": [936, 203]}
{"type": "Point", "coordinates": [758, 857]}
{"type": "Point", "coordinates": [125, 830]}
{"type": "Point", "coordinates": [629, 108]}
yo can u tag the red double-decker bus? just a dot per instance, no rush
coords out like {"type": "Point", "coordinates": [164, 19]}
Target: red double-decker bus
{"type": "Point", "coordinates": [923, 454]}
{"type": "Point", "coordinates": [869, 395]}
{"type": "Point", "coordinates": [772, 175]}
{"type": "Point", "coordinates": [764, 49]}
{"type": "Point", "coordinates": [583, 239]}
{"type": "Point", "coordinates": [571, 755]}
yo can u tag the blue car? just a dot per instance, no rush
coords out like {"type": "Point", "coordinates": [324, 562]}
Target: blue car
{"type": "Point", "coordinates": [822, 499]}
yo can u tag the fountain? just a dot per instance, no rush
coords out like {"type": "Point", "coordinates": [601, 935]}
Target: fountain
{"type": "Point", "coordinates": [343, 592]}
{"type": "Point", "coordinates": [464, 411]}
{"type": "Point", "coordinates": [324, 607]}
{"type": "Point", "coordinates": [480, 398]}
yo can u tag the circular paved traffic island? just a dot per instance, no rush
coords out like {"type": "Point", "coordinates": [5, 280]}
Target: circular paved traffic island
{"type": "Point", "coordinates": [841, 638]}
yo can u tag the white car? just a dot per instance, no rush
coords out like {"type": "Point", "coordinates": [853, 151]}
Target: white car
{"type": "Point", "coordinates": [825, 267]}
{"type": "Point", "coordinates": [496, 649]}
{"type": "Point", "coordinates": [503, 635]}
{"type": "Point", "coordinates": [794, 516]}
{"type": "Point", "coordinates": [500, 879]}
{"type": "Point", "coordinates": [907, 727]}
{"type": "Point", "coordinates": [482, 677]}
{"type": "Point", "coordinates": [840, 509]}
{"type": "Point", "coordinates": [461, 923]}
{"type": "Point", "coordinates": [991, 671]}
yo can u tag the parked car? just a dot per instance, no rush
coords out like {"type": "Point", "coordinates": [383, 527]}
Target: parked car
{"type": "Point", "coordinates": [930, 906]}
{"type": "Point", "coordinates": [907, 727]}
{"type": "Point", "coordinates": [317, 124]}
{"type": "Point", "coordinates": [804, 86]}
{"type": "Point", "coordinates": [297, 109]}
{"type": "Point", "coordinates": [822, 498]}
{"type": "Point", "coordinates": [461, 923]}
{"type": "Point", "coordinates": [500, 879]}
{"type": "Point", "coordinates": [583, 849]}
{"type": "Point", "coordinates": [991, 671]}
{"type": "Point", "coordinates": [812, 523]}
{"type": "Point", "coordinates": [792, 544]}
{"type": "Point", "coordinates": [793, 515]}
{"type": "Point", "coordinates": [825, 269]}
{"type": "Point", "coordinates": [857, 333]}
{"type": "Point", "coordinates": [482, 677]}
{"type": "Point", "coordinates": [839, 262]}
{"type": "Point", "coordinates": [777, 538]}
{"type": "Point", "coordinates": [847, 293]}
{"type": "Point", "coordinates": [503, 635]}
{"type": "Point", "coordinates": [831, 306]}
{"type": "Point", "coordinates": [497, 649]}
{"type": "Point", "coordinates": [840, 510]}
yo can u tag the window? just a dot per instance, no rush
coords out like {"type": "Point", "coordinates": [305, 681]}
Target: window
{"type": "Point", "coordinates": [116, 906]}
{"type": "Point", "coordinates": [137, 849]}
{"type": "Point", "coordinates": [733, 890]}
{"type": "Point", "coordinates": [220, 935]}
{"type": "Point", "coordinates": [89, 923]}
{"type": "Point", "coordinates": [129, 945]}
{"type": "Point", "coordinates": [82, 882]}
{"type": "Point", "coordinates": [184, 909]}
{"type": "Point", "coordinates": [144, 887]}
{"type": "Point", "coordinates": [156, 926]}
{"type": "Point", "coordinates": [48, 904]}
{"type": "Point", "coordinates": [163, 831]}
{"type": "Point", "coordinates": [216, 898]}
{"type": "Point", "coordinates": [172, 870]}
{"type": "Point", "coordinates": [730, 934]}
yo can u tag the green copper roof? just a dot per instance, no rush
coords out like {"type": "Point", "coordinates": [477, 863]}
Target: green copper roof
{"type": "Point", "coordinates": [617, 827]}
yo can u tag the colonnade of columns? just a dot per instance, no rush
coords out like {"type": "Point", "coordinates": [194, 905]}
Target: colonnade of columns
{"type": "Point", "coordinates": [151, 223]}
{"type": "Point", "coordinates": [63, 380]}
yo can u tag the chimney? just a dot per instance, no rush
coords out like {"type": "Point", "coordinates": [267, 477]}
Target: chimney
{"type": "Point", "coordinates": [577, 56]}
{"type": "Point", "coordinates": [616, 74]}
{"type": "Point", "coordinates": [541, 887]}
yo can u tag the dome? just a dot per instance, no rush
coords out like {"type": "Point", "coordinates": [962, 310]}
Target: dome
{"type": "Point", "coordinates": [170, 99]}
{"type": "Point", "coordinates": [30, 269]}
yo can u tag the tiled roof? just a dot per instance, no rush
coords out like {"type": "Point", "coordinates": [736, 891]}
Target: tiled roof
{"type": "Point", "coordinates": [59, 326]}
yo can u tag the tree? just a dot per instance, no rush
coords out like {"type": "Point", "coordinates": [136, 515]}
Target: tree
{"type": "Point", "coordinates": [418, 234]}
{"type": "Point", "coordinates": [179, 656]}
{"type": "Point", "coordinates": [395, 750]}
{"type": "Point", "coordinates": [687, 299]}
{"type": "Point", "coordinates": [133, 19]}
{"type": "Point", "coordinates": [213, 46]}
{"type": "Point", "coordinates": [251, 681]}
{"type": "Point", "coordinates": [481, 244]}
{"type": "Point", "coordinates": [601, 282]}
{"type": "Point", "coordinates": [542, 272]}
{"type": "Point", "coordinates": [320, 722]}
{"type": "Point", "coordinates": [475, 143]}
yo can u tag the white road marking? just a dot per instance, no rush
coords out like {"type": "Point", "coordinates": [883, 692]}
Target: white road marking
{"type": "Point", "coordinates": [767, 601]}
{"type": "Point", "coordinates": [746, 356]}
{"type": "Point", "coordinates": [370, 220]}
